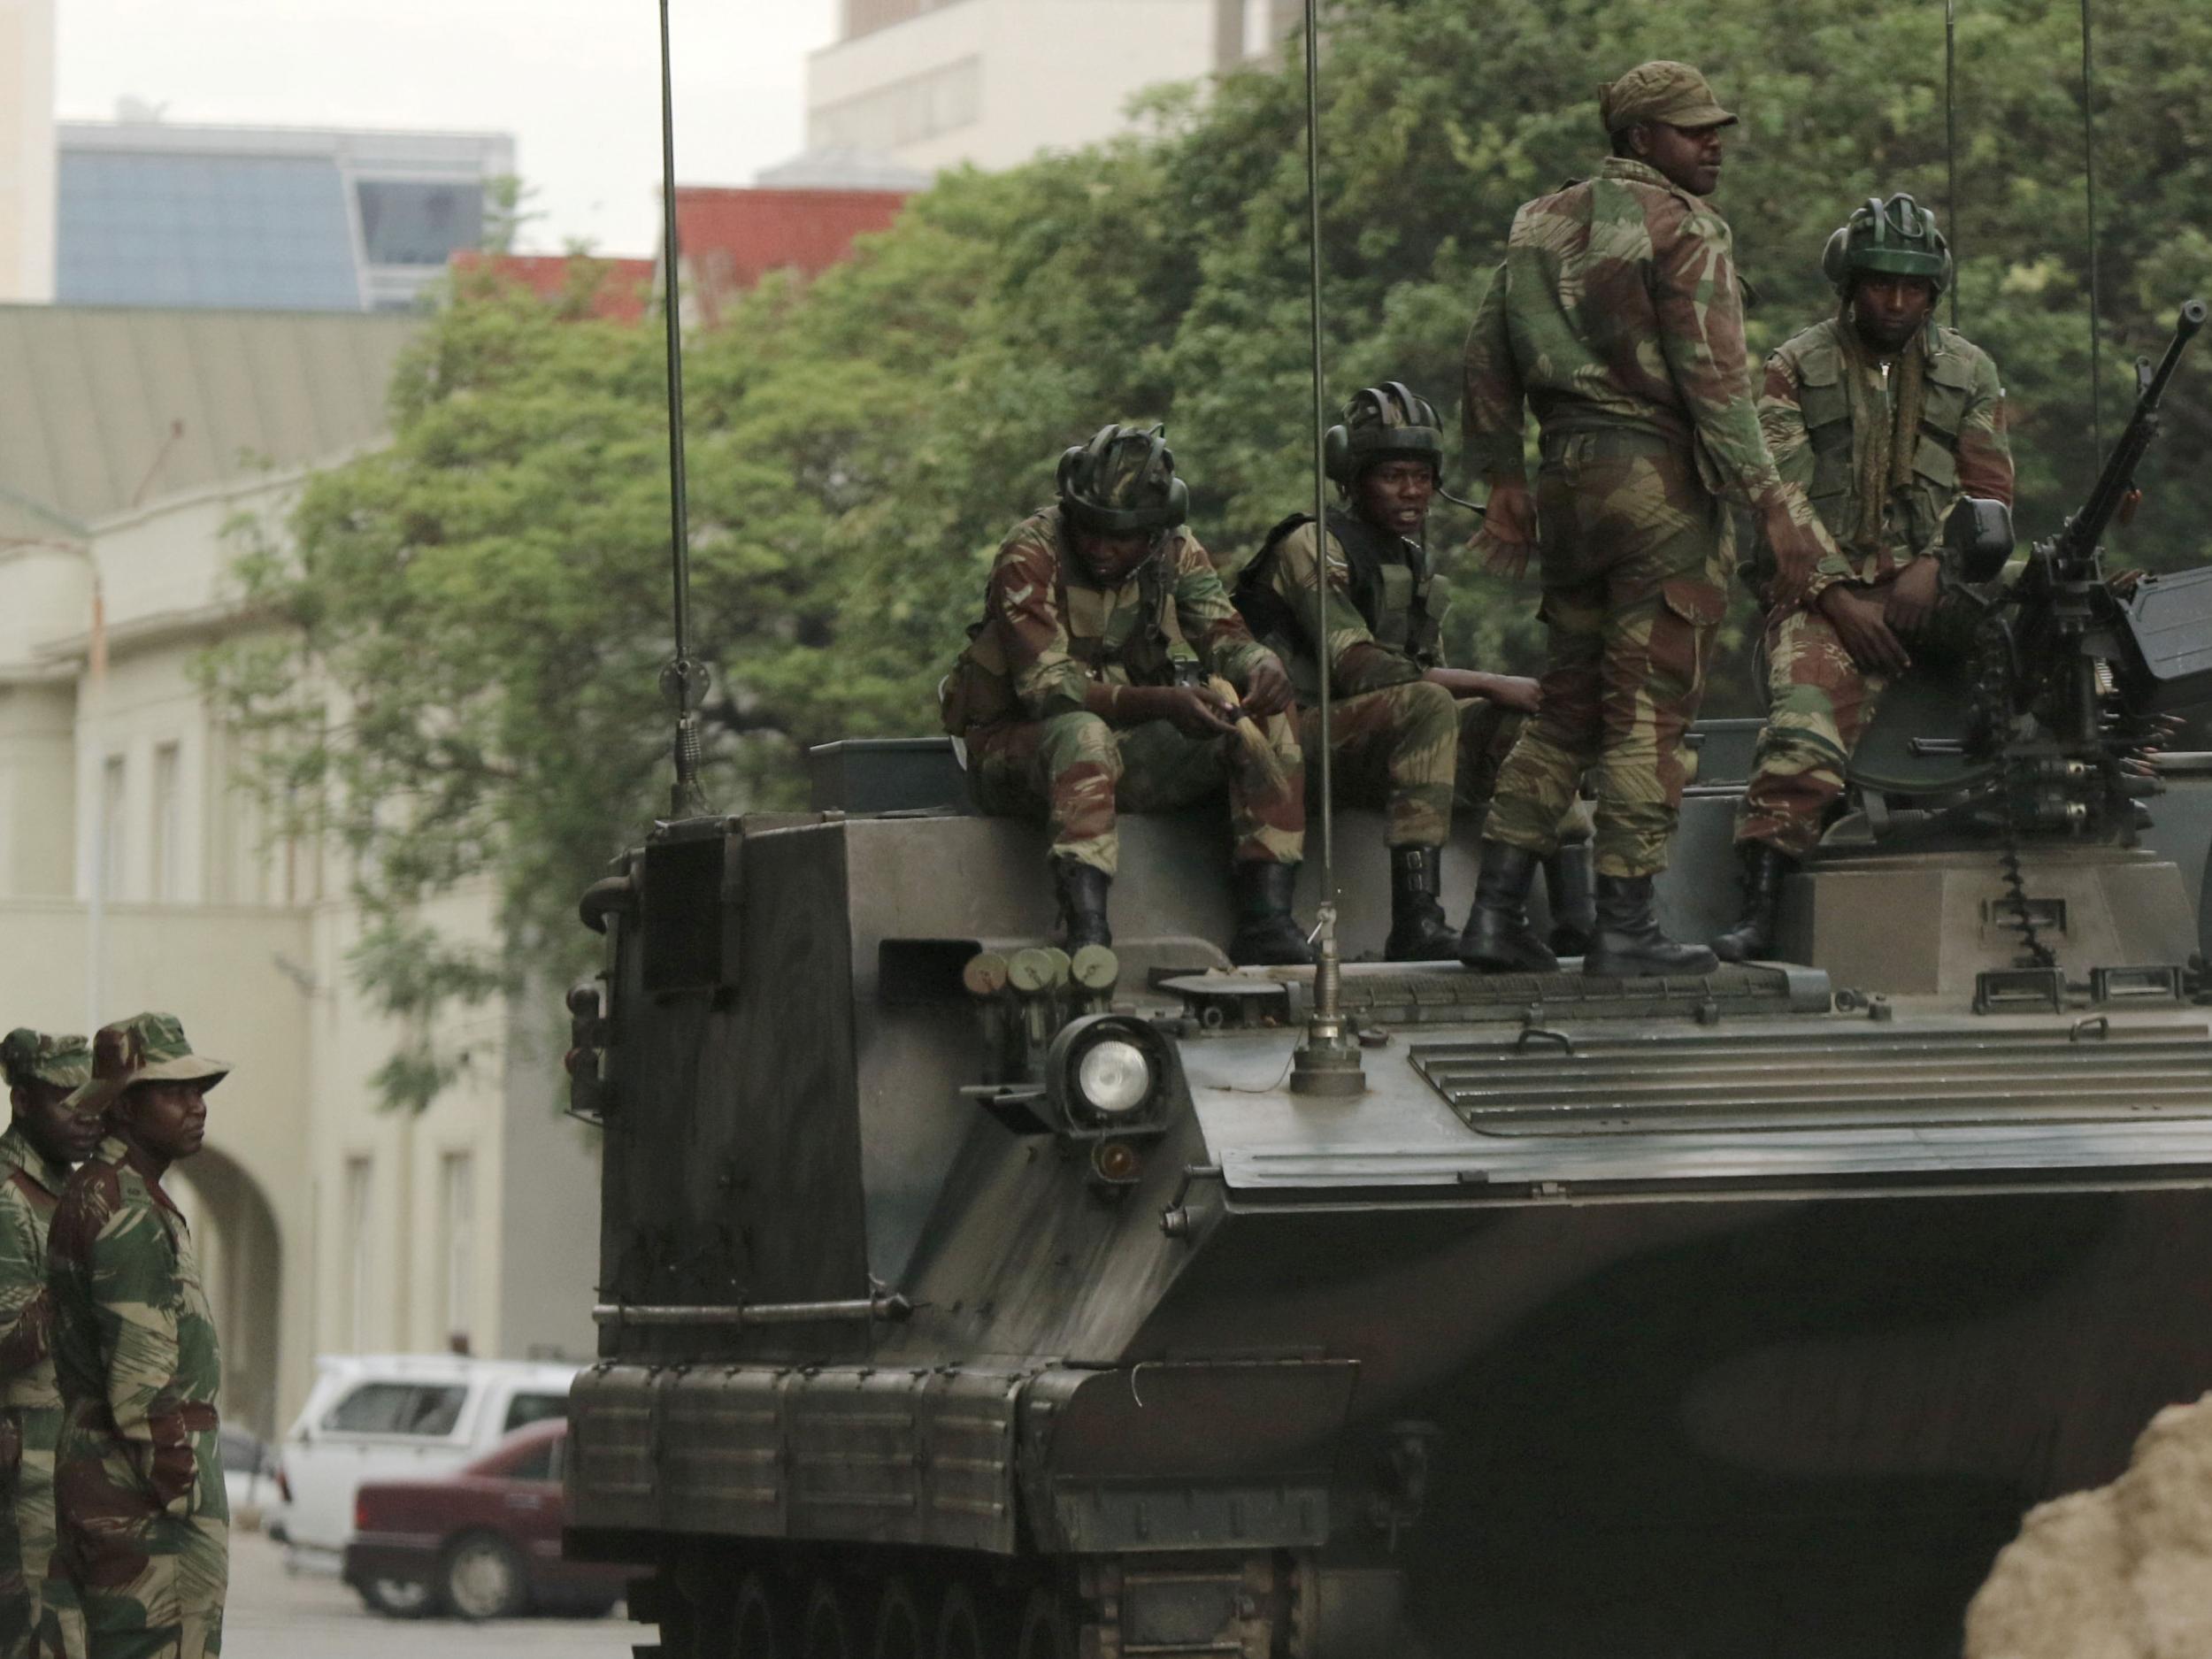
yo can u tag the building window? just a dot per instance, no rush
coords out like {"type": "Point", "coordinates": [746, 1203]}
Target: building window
{"type": "Point", "coordinates": [356, 1309]}
{"type": "Point", "coordinates": [904, 112]}
{"type": "Point", "coordinates": [109, 854]}
{"type": "Point", "coordinates": [456, 1181]}
{"type": "Point", "coordinates": [168, 825]}
{"type": "Point", "coordinates": [407, 222]}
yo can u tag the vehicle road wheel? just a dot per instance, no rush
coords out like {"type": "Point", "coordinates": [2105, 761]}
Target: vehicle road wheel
{"type": "Point", "coordinates": [482, 1578]}
{"type": "Point", "coordinates": [901, 1632]}
{"type": "Point", "coordinates": [829, 1627]}
{"type": "Point", "coordinates": [397, 1598]}
{"type": "Point", "coordinates": [1048, 1633]}
{"type": "Point", "coordinates": [759, 1626]}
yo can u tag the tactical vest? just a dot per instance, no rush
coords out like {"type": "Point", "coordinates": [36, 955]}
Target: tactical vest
{"type": "Point", "coordinates": [1138, 645]}
{"type": "Point", "coordinates": [1391, 588]}
{"type": "Point", "coordinates": [1934, 490]}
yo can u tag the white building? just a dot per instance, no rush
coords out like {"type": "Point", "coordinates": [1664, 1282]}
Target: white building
{"type": "Point", "coordinates": [128, 440]}
{"type": "Point", "coordinates": [937, 84]}
{"type": "Point", "coordinates": [26, 151]}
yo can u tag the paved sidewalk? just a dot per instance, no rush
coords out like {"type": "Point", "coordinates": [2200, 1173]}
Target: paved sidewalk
{"type": "Point", "coordinates": [276, 1615]}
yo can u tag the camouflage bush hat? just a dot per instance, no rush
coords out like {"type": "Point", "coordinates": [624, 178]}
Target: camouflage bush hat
{"type": "Point", "coordinates": [144, 1049]}
{"type": "Point", "coordinates": [1661, 90]}
{"type": "Point", "coordinates": [40, 1057]}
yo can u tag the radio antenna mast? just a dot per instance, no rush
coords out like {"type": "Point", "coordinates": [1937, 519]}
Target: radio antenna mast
{"type": "Point", "coordinates": [2089, 181]}
{"type": "Point", "coordinates": [1327, 1062]}
{"type": "Point", "coordinates": [684, 680]}
{"type": "Point", "coordinates": [1951, 142]}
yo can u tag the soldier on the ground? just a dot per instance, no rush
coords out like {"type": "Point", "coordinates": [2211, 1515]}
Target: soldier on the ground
{"type": "Point", "coordinates": [1887, 419]}
{"type": "Point", "coordinates": [143, 1562]}
{"type": "Point", "coordinates": [1616, 318]}
{"type": "Point", "coordinates": [44, 1138]}
{"type": "Point", "coordinates": [1082, 693]}
{"type": "Point", "coordinates": [1411, 735]}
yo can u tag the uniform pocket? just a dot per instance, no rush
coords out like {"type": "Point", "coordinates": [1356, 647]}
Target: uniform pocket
{"type": "Point", "coordinates": [1699, 601]}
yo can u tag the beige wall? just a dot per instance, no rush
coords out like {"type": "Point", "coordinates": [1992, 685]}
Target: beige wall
{"type": "Point", "coordinates": [26, 151]}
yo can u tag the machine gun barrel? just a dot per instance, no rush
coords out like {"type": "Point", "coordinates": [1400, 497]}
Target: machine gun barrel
{"type": "Point", "coordinates": [2076, 544]}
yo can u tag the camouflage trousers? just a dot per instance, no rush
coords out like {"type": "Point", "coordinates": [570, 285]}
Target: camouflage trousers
{"type": "Point", "coordinates": [1635, 560]}
{"type": "Point", "coordinates": [1818, 701]}
{"type": "Point", "coordinates": [26, 1522]}
{"type": "Point", "coordinates": [1081, 771]}
{"type": "Point", "coordinates": [1395, 749]}
{"type": "Point", "coordinates": [134, 1578]}
{"type": "Point", "coordinates": [1487, 732]}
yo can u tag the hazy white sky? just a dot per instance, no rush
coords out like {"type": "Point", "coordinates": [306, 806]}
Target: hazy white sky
{"type": "Point", "coordinates": [577, 82]}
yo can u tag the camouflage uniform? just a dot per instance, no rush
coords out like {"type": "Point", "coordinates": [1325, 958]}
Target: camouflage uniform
{"type": "Point", "coordinates": [143, 1562]}
{"type": "Point", "coordinates": [1049, 634]}
{"type": "Point", "coordinates": [1819, 700]}
{"type": "Point", "coordinates": [1616, 318]}
{"type": "Point", "coordinates": [30, 1400]}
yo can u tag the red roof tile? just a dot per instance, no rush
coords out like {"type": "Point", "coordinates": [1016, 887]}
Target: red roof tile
{"type": "Point", "coordinates": [625, 286]}
{"type": "Point", "coordinates": [731, 238]}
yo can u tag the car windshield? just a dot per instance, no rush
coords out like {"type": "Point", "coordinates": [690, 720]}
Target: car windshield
{"type": "Point", "coordinates": [426, 1410]}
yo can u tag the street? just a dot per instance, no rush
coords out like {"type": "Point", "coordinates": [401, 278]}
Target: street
{"type": "Point", "coordinates": [276, 1615]}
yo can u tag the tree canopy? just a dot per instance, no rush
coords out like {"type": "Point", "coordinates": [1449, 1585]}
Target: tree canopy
{"type": "Point", "coordinates": [474, 617]}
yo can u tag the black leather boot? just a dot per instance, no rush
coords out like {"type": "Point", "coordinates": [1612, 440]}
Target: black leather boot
{"type": "Point", "coordinates": [1418, 932]}
{"type": "Point", "coordinates": [1574, 915]}
{"type": "Point", "coordinates": [1268, 935]}
{"type": "Point", "coordinates": [1081, 890]}
{"type": "Point", "coordinates": [1628, 944]}
{"type": "Point", "coordinates": [1765, 867]}
{"type": "Point", "coordinates": [1498, 938]}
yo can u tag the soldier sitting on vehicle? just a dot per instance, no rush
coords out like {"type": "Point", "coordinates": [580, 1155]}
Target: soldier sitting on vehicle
{"type": "Point", "coordinates": [1887, 419]}
{"type": "Point", "coordinates": [1411, 735]}
{"type": "Point", "coordinates": [1082, 691]}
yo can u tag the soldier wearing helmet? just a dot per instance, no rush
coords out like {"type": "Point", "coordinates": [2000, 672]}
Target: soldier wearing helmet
{"type": "Point", "coordinates": [1887, 419]}
{"type": "Point", "coordinates": [1082, 689]}
{"type": "Point", "coordinates": [1616, 319]}
{"type": "Point", "coordinates": [1410, 734]}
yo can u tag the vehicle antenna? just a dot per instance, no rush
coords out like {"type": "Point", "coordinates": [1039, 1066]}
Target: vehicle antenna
{"type": "Point", "coordinates": [2089, 181]}
{"type": "Point", "coordinates": [1327, 1062]}
{"type": "Point", "coordinates": [684, 680]}
{"type": "Point", "coordinates": [1951, 142]}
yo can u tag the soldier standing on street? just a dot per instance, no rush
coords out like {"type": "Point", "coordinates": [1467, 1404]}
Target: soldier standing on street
{"type": "Point", "coordinates": [1081, 691]}
{"type": "Point", "coordinates": [144, 1557]}
{"type": "Point", "coordinates": [1887, 419]}
{"type": "Point", "coordinates": [1616, 318]}
{"type": "Point", "coordinates": [40, 1144]}
{"type": "Point", "coordinates": [1411, 735]}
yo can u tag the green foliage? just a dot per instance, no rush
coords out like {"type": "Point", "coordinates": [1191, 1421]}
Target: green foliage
{"type": "Point", "coordinates": [477, 614]}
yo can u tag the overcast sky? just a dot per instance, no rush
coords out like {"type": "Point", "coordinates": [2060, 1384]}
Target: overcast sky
{"type": "Point", "coordinates": [577, 82]}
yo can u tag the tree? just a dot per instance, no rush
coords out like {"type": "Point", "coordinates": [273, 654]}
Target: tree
{"type": "Point", "coordinates": [474, 617]}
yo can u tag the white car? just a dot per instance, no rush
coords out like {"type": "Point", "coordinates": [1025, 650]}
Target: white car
{"type": "Point", "coordinates": [395, 1417]}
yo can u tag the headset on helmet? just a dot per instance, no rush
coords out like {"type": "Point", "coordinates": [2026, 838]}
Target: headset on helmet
{"type": "Point", "coordinates": [1382, 423]}
{"type": "Point", "coordinates": [1895, 235]}
{"type": "Point", "coordinates": [1122, 482]}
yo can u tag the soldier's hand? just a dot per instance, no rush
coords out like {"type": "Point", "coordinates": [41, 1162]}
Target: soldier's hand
{"type": "Point", "coordinates": [1912, 597]}
{"type": "Point", "coordinates": [1859, 623]}
{"type": "Point", "coordinates": [1508, 535]}
{"type": "Point", "coordinates": [1267, 689]}
{"type": "Point", "coordinates": [1795, 545]}
{"type": "Point", "coordinates": [1197, 712]}
{"type": "Point", "coordinates": [1517, 691]}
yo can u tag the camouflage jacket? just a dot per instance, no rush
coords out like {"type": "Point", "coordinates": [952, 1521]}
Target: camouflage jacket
{"type": "Point", "coordinates": [1048, 631]}
{"type": "Point", "coordinates": [29, 1189]}
{"type": "Point", "coordinates": [135, 1347]}
{"type": "Point", "coordinates": [1384, 606]}
{"type": "Point", "coordinates": [1618, 305]}
{"type": "Point", "coordinates": [1961, 448]}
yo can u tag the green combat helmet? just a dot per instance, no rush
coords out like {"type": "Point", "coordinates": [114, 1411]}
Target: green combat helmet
{"type": "Point", "coordinates": [39, 1056]}
{"type": "Point", "coordinates": [1383, 423]}
{"type": "Point", "coordinates": [1897, 236]}
{"type": "Point", "coordinates": [144, 1049]}
{"type": "Point", "coordinates": [1123, 482]}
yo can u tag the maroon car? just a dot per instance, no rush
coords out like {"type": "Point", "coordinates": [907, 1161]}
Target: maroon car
{"type": "Point", "coordinates": [484, 1542]}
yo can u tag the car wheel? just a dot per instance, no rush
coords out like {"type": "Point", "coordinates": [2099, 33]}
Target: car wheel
{"type": "Point", "coordinates": [482, 1578]}
{"type": "Point", "coordinates": [396, 1598]}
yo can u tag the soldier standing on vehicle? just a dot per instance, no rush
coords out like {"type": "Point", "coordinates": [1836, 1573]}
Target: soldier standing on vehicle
{"type": "Point", "coordinates": [44, 1139]}
{"type": "Point", "coordinates": [1082, 691]}
{"type": "Point", "coordinates": [1888, 420]}
{"type": "Point", "coordinates": [1411, 735]}
{"type": "Point", "coordinates": [1616, 318]}
{"type": "Point", "coordinates": [144, 1557]}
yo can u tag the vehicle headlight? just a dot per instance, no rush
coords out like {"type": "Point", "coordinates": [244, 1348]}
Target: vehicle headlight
{"type": "Point", "coordinates": [1113, 1077]}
